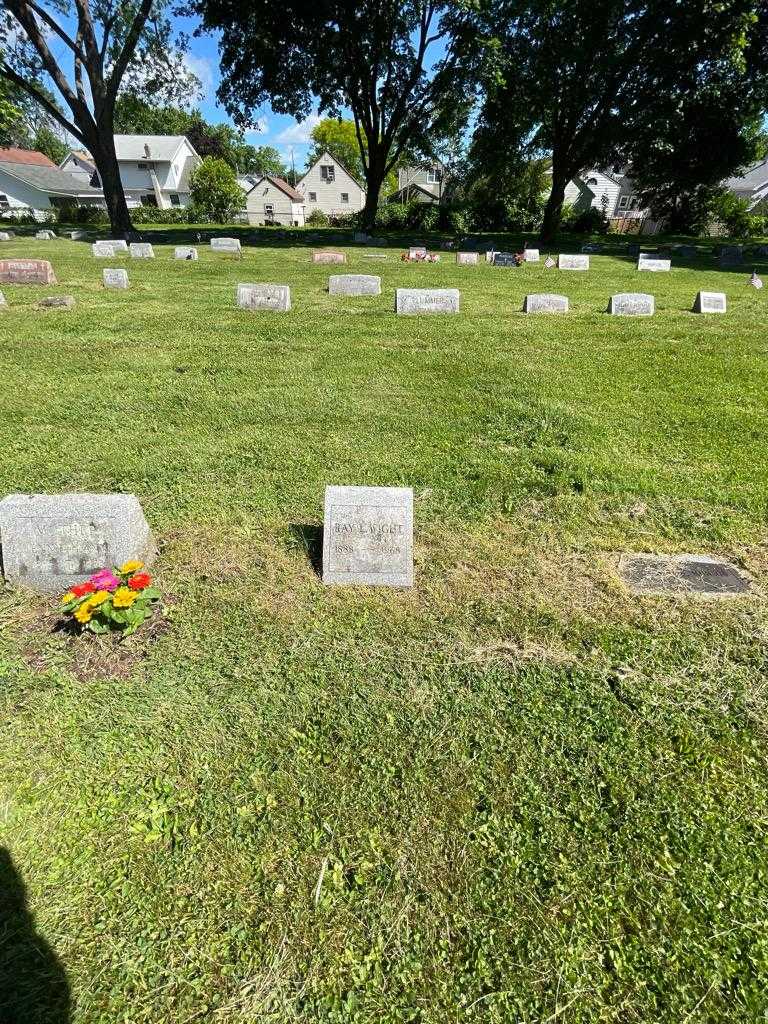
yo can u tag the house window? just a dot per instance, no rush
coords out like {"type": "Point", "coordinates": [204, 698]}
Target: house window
{"type": "Point", "coordinates": [313, 197]}
{"type": "Point", "coordinates": [634, 203]}
{"type": "Point", "coordinates": [591, 182]}
{"type": "Point", "coordinates": [345, 197]}
{"type": "Point", "coordinates": [146, 166]}
{"type": "Point", "coordinates": [149, 200]}
{"type": "Point", "coordinates": [175, 200]}
{"type": "Point", "coordinates": [327, 172]}
{"type": "Point", "coordinates": [4, 203]}
{"type": "Point", "coordinates": [434, 176]}
{"type": "Point", "coordinates": [269, 211]}
{"type": "Point", "coordinates": [623, 202]}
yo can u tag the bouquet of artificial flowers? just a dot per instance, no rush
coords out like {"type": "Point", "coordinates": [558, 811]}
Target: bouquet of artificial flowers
{"type": "Point", "coordinates": [118, 600]}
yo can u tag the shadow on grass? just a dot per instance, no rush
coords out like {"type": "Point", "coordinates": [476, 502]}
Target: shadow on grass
{"type": "Point", "coordinates": [33, 985]}
{"type": "Point", "coordinates": [310, 539]}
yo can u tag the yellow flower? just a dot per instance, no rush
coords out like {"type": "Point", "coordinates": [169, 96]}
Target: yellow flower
{"type": "Point", "coordinates": [123, 597]}
{"type": "Point", "coordinates": [83, 613]}
{"type": "Point", "coordinates": [98, 598]}
{"type": "Point", "coordinates": [132, 566]}
{"type": "Point", "coordinates": [68, 597]}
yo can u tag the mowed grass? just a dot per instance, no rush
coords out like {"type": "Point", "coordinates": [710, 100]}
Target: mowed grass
{"type": "Point", "coordinates": [514, 793]}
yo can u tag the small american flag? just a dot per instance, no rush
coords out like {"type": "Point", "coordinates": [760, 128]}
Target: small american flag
{"type": "Point", "coordinates": [755, 280]}
{"type": "Point", "coordinates": [549, 263]}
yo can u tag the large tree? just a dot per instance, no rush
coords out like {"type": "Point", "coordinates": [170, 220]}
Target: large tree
{"type": "Point", "coordinates": [338, 137]}
{"type": "Point", "coordinates": [87, 51]}
{"type": "Point", "coordinates": [588, 81]}
{"type": "Point", "coordinates": [402, 67]}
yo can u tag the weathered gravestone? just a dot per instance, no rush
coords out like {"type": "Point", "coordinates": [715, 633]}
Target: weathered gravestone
{"type": "Point", "coordinates": [368, 536]}
{"type": "Point", "coordinates": [354, 284]}
{"type": "Point", "coordinates": [45, 235]}
{"type": "Point", "coordinates": [579, 261]}
{"type": "Point", "coordinates": [185, 252]}
{"type": "Point", "coordinates": [545, 303]}
{"type": "Point", "coordinates": [78, 235]}
{"type": "Point", "coordinates": [3, 301]}
{"type": "Point", "coordinates": [647, 261]}
{"type": "Point", "coordinates": [592, 247]}
{"type": "Point", "coordinates": [686, 252]}
{"type": "Point", "coordinates": [504, 259]}
{"type": "Point", "coordinates": [329, 257]}
{"type": "Point", "coordinates": [57, 302]}
{"type": "Point", "coordinates": [631, 304]}
{"type": "Point", "coordinates": [489, 255]}
{"type": "Point", "coordinates": [275, 297]}
{"type": "Point", "coordinates": [416, 251]}
{"type": "Point", "coordinates": [26, 272]}
{"type": "Point", "coordinates": [142, 251]}
{"type": "Point", "coordinates": [360, 236]}
{"type": "Point", "coordinates": [709, 302]}
{"type": "Point", "coordinates": [103, 250]}
{"type": "Point", "coordinates": [4, 236]}
{"type": "Point", "coordinates": [682, 574]}
{"type": "Point", "coordinates": [531, 255]}
{"type": "Point", "coordinates": [52, 541]}
{"type": "Point", "coordinates": [467, 258]}
{"type": "Point", "coordinates": [412, 301]}
{"type": "Point", "coordinates": [118, 244]}
{"type": "Point", "coordinates": [374, 255]}
{"type": "Point", "coordinates": [231, 245]}
{"type": "Point", "coordinates": [115, 278]}
{"type": "Point", "coordinates": [731, 255]}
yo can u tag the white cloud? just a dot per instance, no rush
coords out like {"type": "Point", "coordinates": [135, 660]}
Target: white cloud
{"type": "Point", "coordinates": [299, 133]}
{"type": "Point", "coordinates": [203, 69]}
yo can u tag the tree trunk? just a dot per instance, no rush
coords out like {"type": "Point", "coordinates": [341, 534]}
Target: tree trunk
{"type": "Point", "coordinates": [374, 181]}
{"type": "Point", "coordinates": [553, 211]}
{"type": "Point", "coordinates": [103, 153]}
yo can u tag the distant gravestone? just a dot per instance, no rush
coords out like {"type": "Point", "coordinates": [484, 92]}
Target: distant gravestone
{"type": "Point", "coordinates": [185, 252]}
{"type": "Point", "coordinates": [57, 302]}
{"type": "Point", "coordinates": [3, 301]}
{"type": "Point", "coordinates": [682, 574]}
{"type": "Point", "coordinates": [26, 272]}
{"type": "Point", "coordinates": [360, 236]}
{"type": "Point", "coordinates": [489, 255]}
{"type": "Point", "coordinates": [686, 252]}
{"type": "Point", "coordinates": [4, 236]}
{"type": "Point", "coordinates": [531, 255]}
{"type": "Point", "coordinates": [275, 297]}
{"type": "Point", "coordinates": [710, 302]}
{"type": "Point", "coordinates": [115, 278]}
{"type": "Point", "coordinates": [578, 261]}
{"type": "Point", "coordinates": [231, 245]}
{"type": "Point", "coordinates": [731, 255]}
{"type": "Point", "coordinates": [118, 244]}
{"type": "Point", "coordinates": [545, 303]}
{"type": "Point", "coordinates": [329, 257]}
{"type": "Point", "coordinates": [141, 251]}
{"type": "Point", "coordinates": [467, 258]}
{"type": "Point", "coordinates": [646, 261]}
{"type": "Point", "coordinates": [504, 259]}
{"type": "Point", "coordinates": [413, 301]}
{"type": "Point", "coordinates": [368, 536]}
{"type": "Point", "coordinates": [354, 284]}
{"type": "Point", "coordinates": [45, 235]}
{"type": "Point", "coordinates": [103, 250]}
{"type": "Point", "coordinates": [592, 247]}
{"type": "Point", "coordinates": [415, 251]}
{"type": "Point", "coordinates": [631, 304]}
{"type": "Point", "coordinates": [78, 235]}
{"type": "Point", "coordinates": [374, 256]}
{"type": "Point", "coordinates": [50, 542]}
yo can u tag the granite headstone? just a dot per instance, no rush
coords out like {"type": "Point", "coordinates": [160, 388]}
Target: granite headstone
{"type": "Point", "coordinates": [231, 245]}
{"type": "Point", "coordinates": [575, 261]}
{"type": "Point", "coordinates": [631, 304]}
{"type": "Point", "coordinates": [545, 303]}
{"type": "Point", "coordinates": [368, 536]}
{"type": "Point", "coordinates": [698, 575]}
{"type": "Point", "coordinates": [26, 272]}
{"type": "Point", "coordinates": [329, 257]}
{"type": "Point", "coordinates": [413, 301]}
{"type": "Point", "coordinates": [710, 302]}
{"type": "Point", "coordinates": [185, 252]}
{"type": "Point", "coordinates": [142, 251]}
{"type": "Point", "coordinates": [354, 284]}
{"type": "Point", "coordinates": [114, 278]}
{"type": "Point", "coordinates": [275, 297]}
{"type": "Point", "coordinates": [646, 261]}
{"type": "Point", "coordinates": [467, 258]}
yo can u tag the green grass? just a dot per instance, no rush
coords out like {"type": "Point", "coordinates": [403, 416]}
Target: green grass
{"type": "Point", "coordinates": [515, 793]}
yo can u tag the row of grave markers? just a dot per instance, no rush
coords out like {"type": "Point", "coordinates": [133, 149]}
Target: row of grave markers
{"type": "Point", "coordinates": [52, 542]}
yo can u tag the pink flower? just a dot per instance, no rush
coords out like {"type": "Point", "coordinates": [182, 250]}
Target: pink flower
{"type": "Point", "coordinates": [105, 580]}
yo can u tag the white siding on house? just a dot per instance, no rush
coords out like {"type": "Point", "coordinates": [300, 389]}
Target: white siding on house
{"type": "Point", "coordinates": [589, 189]}
{"type": "Point", "coordinates": [329, 196]}
{"type": "Point", "coordinates": [431, 179]}
{"type": "Point", "coordinates": [20, 196]}
{"type": "Point", "coordinates": [266, 203]}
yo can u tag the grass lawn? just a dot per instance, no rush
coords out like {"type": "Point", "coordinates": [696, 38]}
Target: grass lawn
{"type": "Point", "coordinates": [515, 793]}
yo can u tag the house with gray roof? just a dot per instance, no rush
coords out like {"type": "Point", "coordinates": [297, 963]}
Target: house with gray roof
{"type": "Point", "coordinates": [31, 183]}
{"type": "Point", "coordinates": [752, 185]}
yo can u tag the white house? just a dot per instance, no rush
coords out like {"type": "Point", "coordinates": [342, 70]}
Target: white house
{"type": "Point", "coordinates": [273, 201]}
{"type": "Point", "coordinates": [612, 192]}
{"type": "Point", "coordinates": [80, 165]}
{"type": "Point", "coordinates": [752, 185]}
{"type": "Point", "coordinates": [329, 187]}
{"type": "Point", "coordinates": [154, 169]}
{"type": "Point", "coordinates": [423, 183]}
{"type": "Point", "coordinates": [31, 183]}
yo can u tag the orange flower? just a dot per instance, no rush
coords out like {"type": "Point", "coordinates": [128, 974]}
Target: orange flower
{"type": "Point", "coordinates": [139, 581]}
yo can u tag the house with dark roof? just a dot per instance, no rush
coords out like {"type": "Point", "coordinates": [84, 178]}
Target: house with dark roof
{"type": "Point", "coordinates": [31, 183]}
{"type": "Point", "coordinates": [328, 186]}
{"type": "Point", "coordinates": [752, 185]}
{"type": "Point", "coordinates": [272, 200]}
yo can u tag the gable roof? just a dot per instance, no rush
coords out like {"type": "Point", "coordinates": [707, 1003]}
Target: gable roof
{"type": "Point", "coordinates": [161, 147]}
{"type": "Point", "coordinates": [283, 185]}
{"type": "Point", "coordinates": [410, 187]}
{"type": "Point", "coordinates": [13, 155]}
{"type": "Point", "coordinates": [50, 180]}
{"type": "Point", "coordinates": [752, 181]}
{"type": "Point", "coordinates": [325, 155]}
{"type": "Point", "coordinates": [80, 156]}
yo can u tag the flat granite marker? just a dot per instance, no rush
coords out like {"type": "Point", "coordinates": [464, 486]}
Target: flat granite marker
{"type": "Point", "coordinates": [26, 272]}
{"type": "Point", "coordinates": [185, 252]}
{"type": "Point", "coordinates": [578, 261]}
{"type": "Point", "coordinates": [545, 303]}
{"type": "Point", "coordinates": [631, 304]}
{"type": "Point", "coordinates": [57, 302]}
{"type": "Point", "coordinates": [645, 261]}
{"type": "Point", "coordinates": [412, 301]}
{"type": "Point", "coordinates": [710, 302]}
{"type": "Point", "coordinates": [275, 297]}
{"type": "Point", "coordinates": [354, 284]}
{"type": "Point", "coordinates": [142, 251]}
{"type": "Point", "coordinates": [531, 255]}
{"type": "Point", "coordinates": [329, 257]}
{"type": "Point", "coordinates": [682, 574]}
{"type": "Point", "coordinates": [467, 258]}
{"type": "Point", "coordinates": [115, 278]}
{"type": "Point", "coordinates": [52, 541]}
{"type": "Point", "coordinates": [504, 259]}
{"type": "Point", "coordinates": [227, 245]}
{"type": "Point", "coordinates": [103, 250]}
{"type": "Point", "coordinates": [3, 301]}
{"type": "Point", "coordinates": [368, 536]}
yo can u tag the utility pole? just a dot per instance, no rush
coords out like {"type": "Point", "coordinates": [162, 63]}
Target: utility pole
{"type": "Point", "coordinates": [293, 170]}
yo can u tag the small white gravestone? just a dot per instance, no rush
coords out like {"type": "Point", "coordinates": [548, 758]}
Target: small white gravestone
{"type": "Point", "coordinates": [115, 278]}
{"type": "Point", "coordinates": [710, 302]}
{"type": "Point", "coordinates": [578, 261]}
{"type": "Point", "coordinates": [631, 304]}
{"type": "Point", "coordinates": [275, 297]}
{"type": "Point", "coordinates": [226, 245]}
{"type": "Point", "coordinates": [52, 541]}
{"type": "Point", "coordinates": [545, 303]}
{"type": "Point", "coordinates": [412, 301]}
{"type": "Point", "coordinates": [368, 536]}
{"type": "Point", "coordinates": [4, 236]}
{"type": "Point", "coordinates": [103, 250]}
{"type": "Point", "coordinates": [78, 235]}
{"type": "Point", "coordinates": [531, 255]}
{"type": "Point", "coordinates": [416, 251]}
{"type": "Point", "coordinates": [185, 252]}
{"type": "Point", "coordinates": [45, 236]}
{"type": "Point", "coordinates": [3, 301]}
{"type": "Point", "coordinates": [490, 255]}
{"type": "Point", "coordinates": [354, 284]}
{"type": "Point", "coordinates": [142, 251]}
{"type": "Point", "coordinates": [646, 261]}
{"type": "Point", "coordinates": [467, 258]}
{"type": "Point", "coordinates": [57, 302]}
{"type": "Point", "coordinates": [118, 244]}
{"type": "Point", "coordinates": [329, 257]}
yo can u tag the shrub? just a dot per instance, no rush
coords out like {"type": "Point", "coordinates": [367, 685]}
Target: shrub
{"type": "Point", "coordinates": [589, 222]}
{"type": "Point", "coordinates": [392, 215]}
{"type": "Point", "coordinates": [318, 218]}
{"type": "Point", "coordinates": [344, 220]}
{"type": "Point", "coordinates": [733, 213]}
{"type": "Point", "coordinates": [213, 187]}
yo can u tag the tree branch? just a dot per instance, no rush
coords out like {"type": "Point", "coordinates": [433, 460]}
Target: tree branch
{"type": "Point", "coordinates": [7, 72]}
{"type": "Point", "coordinates": [49, 21]}
{"type": "Point", "coordinates": [22, 13]}
{"type": "Point", "coordinates": [128, 50]}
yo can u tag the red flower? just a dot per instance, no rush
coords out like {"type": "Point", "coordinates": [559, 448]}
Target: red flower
{"type": "Point", "coordinates": [83, 588]}
{"type": "Point", "coordinates": [139, 580]}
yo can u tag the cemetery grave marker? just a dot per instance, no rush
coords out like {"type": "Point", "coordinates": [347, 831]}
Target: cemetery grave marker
{"type": "Point", "coordinates": [231, 245]}
{"type": "Point", "coordinates": [45, 236]}
{"type": "Point", "coordinates": [467, 258]}
{"type": "Point", "coordinates": [57, 302]}
{"type": "Point", "coordinates": [52, 541]}
{"type": "Point", "coordinates": [579, 261]}
{"type": "Point", "coordinates": [329, 257]}
{"type": "Point", "coordinates": [504, 259]}
{"type": "Point", "coordinates": [417, 251]}
{"type": "Point", "coordinates": [185, 252]}
{"type": "Point", "coordinates": [646, 261]}
{"type": "Point", "coordinates": [105, 250]}
{"type": "Point", "coordinates": [682, 574]}
{"type": "Point", "coordinates": [710, 302]}
{"type": "Point", "coordinates": [26, 272]}
{"type": "Point", "coordinates": [361, 236]}
{"type": "Point", "coordinates": [545, 303]}
{"type": "Point", "coordinates": [4, 236]}
{"type": "Point", "coordinates": [631, 304]}
{"type": "Point", "coordinates": [115, 278]}
{"type": "Point", "coordinates": [531, 255]}
{"type": "Point", "coordinates": [118, 244]}
{"type": "Point", "coordinates": [142, 251]}
{"type": "Point", "coordinates": [413, 301]}
{"type": "Point", "coordinates": [354, 284]}
{"type": "Point", "coordinates": [731, 255]}
{"type": "Point", "coordinates": [275, 297]}
{"type": "Point", "coordinates": [368, 536]}
{"type": "Point", "coordinates": [3, 301]}
{"type": "Point", "coordinates": [78, 235]}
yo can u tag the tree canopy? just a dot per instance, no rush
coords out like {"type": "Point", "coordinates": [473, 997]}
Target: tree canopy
{"type": "Point", "coordinates": [338, 137]}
